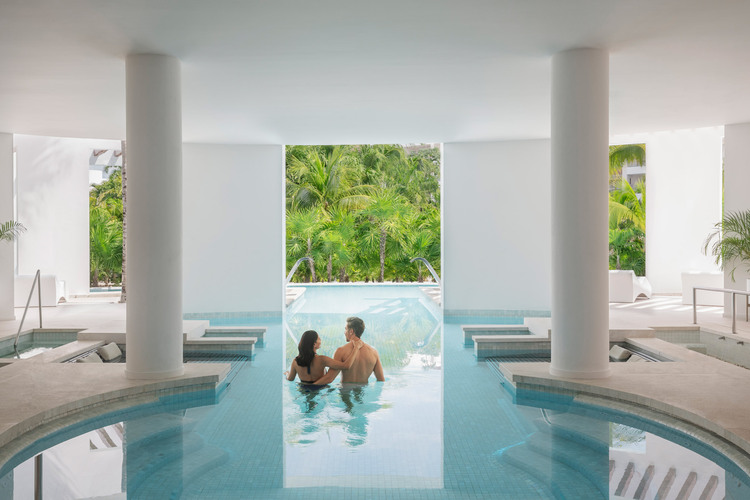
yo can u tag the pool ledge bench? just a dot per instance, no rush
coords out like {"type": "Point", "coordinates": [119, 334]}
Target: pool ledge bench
{"type": "Point", "coordinates": [704, 395]}
{"type": "Point", "coordinates": [68, 393]}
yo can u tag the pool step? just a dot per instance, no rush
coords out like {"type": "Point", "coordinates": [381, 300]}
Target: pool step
{"type": "Point", "coordinates": [226, 345]}
{"type": "Point", "coordinates": [489, 330]}
{"type": "Point", "coordinates": [142, 431]}
{"type": "Point", "coordinates": [589, 432]}
{"type": "Point", "coordinates": [142, 462]}
{"type": "Point", "coordinates": [167, 456]}
{"type": "Point", "coordinates": [293, 293]}
{"type": "Point", "coordinates": [489, 346]}
{"type": "Point", "coordinates": [564, 444]}
{"type": "Point", "coordinates": [435, 293]}
{"type": "Point", "coordinates": [258, 332]}
{"type": "Point", "coordinates": [590, 463]}
{"type": "Point", "coordinates": [563, 480]}
{"type": "Point", "coordinates": [169, 480]}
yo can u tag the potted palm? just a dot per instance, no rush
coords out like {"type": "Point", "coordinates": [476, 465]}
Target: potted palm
{"type": "Point", "coordinates": [729, 242]}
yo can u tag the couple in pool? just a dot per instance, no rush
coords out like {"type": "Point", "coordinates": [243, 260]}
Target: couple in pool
{"type": "Point", "coordinates": [355, 359]}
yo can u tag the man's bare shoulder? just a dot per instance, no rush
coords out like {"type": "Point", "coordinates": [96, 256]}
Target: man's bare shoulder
{"type": "Point", "coordinates": [343, 350]}
{"type": "Point", "coordinates": [371, 348]}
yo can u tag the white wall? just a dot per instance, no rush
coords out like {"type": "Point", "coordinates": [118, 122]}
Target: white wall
{"type": "Point", "coordinates": [53, 199]}
{"type": "Point", "coordinates": [233, 236]}
{"type": "Point", "coordinates": [7, 263]}
{"type": "Point", "coordinates": [683, 201]}
{"type": "Point", "coordinates": [736, 195]}
{"type": "Point", "coordinates": [496, 226]}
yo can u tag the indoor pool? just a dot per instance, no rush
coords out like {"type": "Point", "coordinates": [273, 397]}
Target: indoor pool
{"type": "Point", "coordinates": [441, 426]}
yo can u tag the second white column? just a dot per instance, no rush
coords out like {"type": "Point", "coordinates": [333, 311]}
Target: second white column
{"type": "Point", "coordinates": [580, 260]}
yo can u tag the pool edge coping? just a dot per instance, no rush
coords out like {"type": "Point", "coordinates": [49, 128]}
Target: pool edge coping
{"type": "Point", "coordinates": [717, 436]}
{"type": "Point", "coordinates": [21, 429]}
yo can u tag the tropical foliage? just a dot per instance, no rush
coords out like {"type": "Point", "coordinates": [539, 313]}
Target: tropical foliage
{"type": "Point", "coordinates": [105, 229]}
{"type": "Point", "coordinates": [627, 211]}
{"type": "Point", "coordinates": [729, 241]}
{"type": "Point", "coordinates": [624, 154]}
{"type": "Point", "coordinates": [362, 212]}
{"type": "Point", "coordinates": [10, 230]}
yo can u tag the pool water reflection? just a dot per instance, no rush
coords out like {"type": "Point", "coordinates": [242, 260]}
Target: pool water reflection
{"type": "Point", "coordinates": [384, 435]}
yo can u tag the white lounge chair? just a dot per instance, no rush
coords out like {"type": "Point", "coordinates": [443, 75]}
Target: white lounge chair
{"type": "Point", "coordinates": [625, 286]}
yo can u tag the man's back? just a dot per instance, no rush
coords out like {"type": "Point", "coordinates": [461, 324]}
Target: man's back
{"type": "Point", "coordinates": [367, 362]}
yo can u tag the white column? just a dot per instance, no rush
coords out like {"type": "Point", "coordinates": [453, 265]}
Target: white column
{"type": "Point", "coordinates": [6, 213]}
{"type": "Point", "coordinates": [580, 286]}
{"type": "Point", "coordinates": [736, 199]}
{"type": "Point", "coordinates": [154, 139]}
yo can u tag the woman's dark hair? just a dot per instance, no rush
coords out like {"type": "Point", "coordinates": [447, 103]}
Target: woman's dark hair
{"type": "Point", "coordinates": [305, 346]}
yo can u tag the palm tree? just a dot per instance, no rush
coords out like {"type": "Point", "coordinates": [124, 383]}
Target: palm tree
{"type": "Point", "coordinates": [105, 243]}
{"type": "Point", "coordinates": [123, 293]}
{"type": "Point", "coordinates": [338, 239]}
{"type": "Point", "coordinates": [331, 246]}
{"type": "Point", "coordinates": [424, 239]}
{"type": "Point", "coordinates": [622, 154]}
{"type": "Point", "coordinates": [109, 193]}
{"type": "Point", "coordinates": [380, 161]}
{"type": "Point", "coordinates": [628, 204]}
{"type": "Point", "coordinates": [10, 230]}
{"type": "Point", "coordinates": [627, 210]}
{"type": "Point", "coordinates": [325, 177]}
{"type": "Point", "coordinates": [422, 187]}
{"type": "Point", "coordinates": [303, 227]}
{"type": "Point", "coordinates": [626, 245]}
{"type": "Point", "coordinates": [107, 215]}
{"type": "Point", "coordinates": [384, 217]}
{"type": "Point", "coordinates": [627, 226]}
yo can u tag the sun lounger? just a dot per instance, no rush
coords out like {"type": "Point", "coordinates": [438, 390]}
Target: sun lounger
{"type": "Point", "coordinates": [625, 286]}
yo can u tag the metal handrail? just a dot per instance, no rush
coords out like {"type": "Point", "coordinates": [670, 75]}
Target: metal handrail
{"type": "Point", "coordinates": [734, 305]}
{"type": "Point", "coordinates": [38, 282]}
{"type": "Point", "coordinates": [295, 266]}
{"type": "Point", "coordinates": [429, 267]}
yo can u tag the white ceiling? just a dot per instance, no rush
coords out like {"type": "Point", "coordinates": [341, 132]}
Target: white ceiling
{"type": "Point", "coordinates": [334, 71]}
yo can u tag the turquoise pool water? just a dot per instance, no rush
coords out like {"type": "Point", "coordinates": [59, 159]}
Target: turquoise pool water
{"type": "Point", "coordinates": [441, 426]}
{"type": "Point", "coordinates": [27, 350]}
{"type": "Point", "coordinates": [33, 343]}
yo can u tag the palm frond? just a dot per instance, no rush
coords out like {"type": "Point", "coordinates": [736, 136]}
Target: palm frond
{"type": "Point", "coordinates": [622, 154]}
{"type": "Point", "coordinates": [10, 230]}
{"type": "Point", "coordinates": [729, 241]}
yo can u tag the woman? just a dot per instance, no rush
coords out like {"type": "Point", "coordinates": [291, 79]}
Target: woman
{"type": "Point", "coordinates": [311, 366]}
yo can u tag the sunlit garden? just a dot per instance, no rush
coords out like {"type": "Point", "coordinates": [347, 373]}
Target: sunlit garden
{"type": "Point", "coordinates": [363, 212]}
{"type": "Point", "coordinates": [627, 208]}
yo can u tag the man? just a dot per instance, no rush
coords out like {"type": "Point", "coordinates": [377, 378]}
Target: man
{"type": "Point", "coordinates": [367, 361]}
